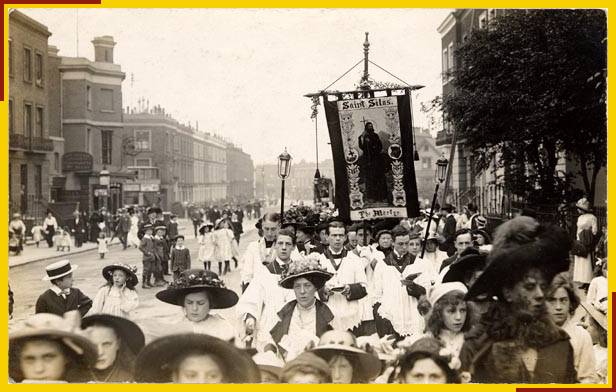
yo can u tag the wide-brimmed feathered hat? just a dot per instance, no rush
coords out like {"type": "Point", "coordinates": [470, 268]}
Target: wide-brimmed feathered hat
{"type": "Point", "coordinates": [583, 204]}
{"type": "Point", "coordinates": [370, 364]}
{"type": "Point", "coordinates": [128, 331]}
{"type": "Point", "coordinates": [154, 363]}
{"type": "Point", "coordinates": [596, 314]}
{"type": "Point", "coordinates": [129, 270]}
{"type": "Point", "coordinates": [65, 330]}
{"type": "Point", "coordinates": [195, 280]}
{"type": "Point", "coordinates": [521, 244]}
{"type": "Point", "coordinates": [308, 268]}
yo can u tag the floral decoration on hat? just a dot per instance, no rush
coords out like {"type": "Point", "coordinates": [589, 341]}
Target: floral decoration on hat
{"type": "Point", "coordinates": [197, 278]}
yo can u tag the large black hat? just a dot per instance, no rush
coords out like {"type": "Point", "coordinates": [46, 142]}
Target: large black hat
{"type": "Point", "coordinates": [152, 365]}
{"type": "Point", "coordinates": [470, 260]}
{"type": "Point", "coordinates": [195, 280]}
{"type": "Point", "coordinates": [154, 210]}
{"type": "Point", "coordinates": [129, 270]}
{"type": "Point", "coordinates": [519, 245]}
{"type": "Point", "coordinates": [128, 331]}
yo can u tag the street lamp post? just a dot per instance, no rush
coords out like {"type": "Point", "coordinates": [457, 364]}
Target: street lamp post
{"type": "Point", "coordinates": [441, 172]}
{"type": "Point", "coordinates": [284, 169]}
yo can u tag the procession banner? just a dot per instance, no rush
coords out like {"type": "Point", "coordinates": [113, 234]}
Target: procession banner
{"type": "Point", "coordinates": [372, 146]}
{"type": "Point", "coordinates": [324, 190]}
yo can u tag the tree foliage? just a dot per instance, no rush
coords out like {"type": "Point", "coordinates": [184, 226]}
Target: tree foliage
{"type": "Point", "coordinates": [529, 88]}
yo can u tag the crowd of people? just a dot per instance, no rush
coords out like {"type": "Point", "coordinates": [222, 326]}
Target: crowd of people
{"type": "Point", "coordinates": [101, 226]}
{"type": "Point", "coordinates": [327, 301]}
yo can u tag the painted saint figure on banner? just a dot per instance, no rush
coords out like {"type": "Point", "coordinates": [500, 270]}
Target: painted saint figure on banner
{"type": "Point", "coordinates": [372, 165]}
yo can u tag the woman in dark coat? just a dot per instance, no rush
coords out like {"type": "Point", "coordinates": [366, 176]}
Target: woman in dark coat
{"type": "Point", "coordinates": [516, 341]}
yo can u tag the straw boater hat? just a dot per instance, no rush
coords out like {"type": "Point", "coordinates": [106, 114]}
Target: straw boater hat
{"type": "Point", "coordinates": [128, 331]}
{"type": "Point", "coordinates": [59, 269]}
{"type": "Point", "coordinates": [597, 315]}
{"type": "Point", "coordinates": [519, 245]}
{"type": "Point", "coordinates": [129, 270]}
{"type": "Point", "coordinates": [65, 330]}
{"type": "Point", "coordinates": [330, 346]}
{"type": "Point", "coordinates": [470, 260]}
{"type": "Point", "coordinates": [195, 280]}
{"type": "Point", "coordinates": [305, 268]}
{"type": "Point", "coordinates": [153, 363]}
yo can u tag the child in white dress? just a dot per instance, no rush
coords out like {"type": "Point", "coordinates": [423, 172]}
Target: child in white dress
{"type": "Point", "coordinates": [225, 245]}
{"type": "Point", "coordinates": [102, 245]}
{"type": "Point", "coordinates": [206, 245]}
{"type": "Point", "coordinates": [118, 296]}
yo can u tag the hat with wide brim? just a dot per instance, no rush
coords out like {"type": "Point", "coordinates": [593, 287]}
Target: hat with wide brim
{"type": "Point", "coordinates": [193, 281]}
{"type": "Point", "coordinates": [56, 328]}
{"type": "Point", "coordinates": [547, 252]}
{"type": "Point", "coordinates": [317, 277]}
{"type": "Point", "coordinates": [583, 204]}
{"type": "Point", "coordinates": [59, 269]}
{"type": "Point", "coordinates": [370, 364]}
{"type": "Point", "coordinates": [152, 364]}
{"type": "Point", "coordinates": [201, 229]}
{"type": "Point", "coordinates": [154, 210]}
{"type": "Point", "coordinates": [131, 276]}
{"type": "Point", "coordinates": [128, 331]}
{"type": "Point", "coordinates": [597, 315]}
{"type": "Point", "coordinates": [269, 362]}
{"type": "Point", "coordinates": [463, 265]}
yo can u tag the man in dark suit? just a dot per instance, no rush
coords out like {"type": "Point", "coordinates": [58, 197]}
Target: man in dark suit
{"type": "Point", "coordinates": [62, 296]}
{"type": "Point", "coordinates": [123, 227]}
{"type": "Point", "coordinates": [77, 226]}
{"type": "Point", "coordinates": [449, 230]}
{"type": "Point", "coordinates": [463, 239]}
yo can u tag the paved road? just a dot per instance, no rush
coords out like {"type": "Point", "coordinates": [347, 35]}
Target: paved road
{"type": "Point", "coordinates": [27, 285]}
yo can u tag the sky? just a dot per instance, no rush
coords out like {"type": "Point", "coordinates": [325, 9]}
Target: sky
{"type": "Point", "coordinates": [242, 73]}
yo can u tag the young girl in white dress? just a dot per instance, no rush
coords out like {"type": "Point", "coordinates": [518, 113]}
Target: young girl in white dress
{"type": "Point", "coordinates": [449, 318]}
{"type": "Point", "coordinates": [206, 245]}
{"type": "Point", "coordinates": [133, 237]}
{"type": "Point", "coordinates": [118, 296]}
{"type": "Point", "coordinates": [225, 245]}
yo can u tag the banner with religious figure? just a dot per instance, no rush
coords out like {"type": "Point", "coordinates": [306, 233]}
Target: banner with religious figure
{"type": "Point", "coordinates": [324, 190]}
{"type": "Point", "coordinates": [372, 146]}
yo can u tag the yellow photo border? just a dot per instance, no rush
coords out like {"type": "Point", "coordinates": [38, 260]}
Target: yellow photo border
{"type": "Point", "coordinates": [304, 4]}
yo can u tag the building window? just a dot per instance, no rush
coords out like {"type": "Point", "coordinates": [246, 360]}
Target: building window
{"type": "Point", "coordinates": [27, 65]}
{"type": "Point", "coordinates": [11, 57]}
{"type": "Point", "coordinates": [142, 140]}
{"type": "Point", "coordinates": [39, 122]}
{"type": "Point", "coordinates": [38, 181]}
{"type": "Point", "coordinates": [56, 161]}
{"type": "Point", "coordinates": [38, 68]}
{"type": "Point", "coordinates": [106, 100]}
{"type": "Point", "coordinates": [27, 119]}
{"type": "Point", "coordinates": [11, 117]}
{"type": "Point", "coordinates": [106, 145]}
{"type": "Point", "coordinates": [483, 19]}
{"type": "Point", "coordinates": [445, 64]}
{"type": "Point", "coordinates": [450, 57]}
{"type": "Point", "coordinates": [88, 97]}
{"type": "Point", "coordinates": [143, 162]}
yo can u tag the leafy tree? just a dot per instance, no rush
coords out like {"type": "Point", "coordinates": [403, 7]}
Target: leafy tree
{"type": "Point", "coordinates": [529, 88]}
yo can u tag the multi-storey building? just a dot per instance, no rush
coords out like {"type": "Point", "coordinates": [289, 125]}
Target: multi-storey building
{"type": "Point", "coordinates": [425, 168]}
{"type": "Point", "coordinates": [28, 108]}
{"type": "Point", "coordinates": [174, 163]}
{"type": "Point", "coordinates": [240, 174]}
{"type": "Point", "coordinates": [92, 128]}
{"type": "Point", "coordinates": [298, 186]}
{"type": "Point", "coordinates": [484, 188]}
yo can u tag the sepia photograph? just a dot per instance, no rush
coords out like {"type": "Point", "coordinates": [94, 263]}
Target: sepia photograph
{"type": "Point", "coordinates": [307, 196]}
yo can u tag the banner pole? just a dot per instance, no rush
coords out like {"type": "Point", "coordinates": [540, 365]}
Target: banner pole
{"type": "Point", "coordinates": [423, 247]}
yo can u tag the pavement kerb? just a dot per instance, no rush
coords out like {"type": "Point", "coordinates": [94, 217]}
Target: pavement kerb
{"type": "Point", "coordinates": [65, 255]}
